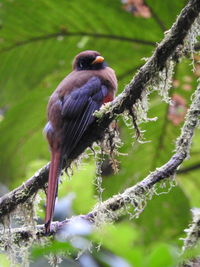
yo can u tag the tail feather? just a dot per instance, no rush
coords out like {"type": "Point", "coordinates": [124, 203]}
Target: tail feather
{"type": "Point", "coordinates": [52, 187]}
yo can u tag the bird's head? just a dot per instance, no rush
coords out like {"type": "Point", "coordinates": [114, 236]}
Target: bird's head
{"type": "Point", "coordinates": [89, 60]}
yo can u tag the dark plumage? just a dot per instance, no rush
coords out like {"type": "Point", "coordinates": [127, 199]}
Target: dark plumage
{"type": "Point", "coordinates": [70, 113]}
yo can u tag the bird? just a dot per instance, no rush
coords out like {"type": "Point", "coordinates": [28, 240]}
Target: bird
{"type": "Point", "coordinates": [70, 112]}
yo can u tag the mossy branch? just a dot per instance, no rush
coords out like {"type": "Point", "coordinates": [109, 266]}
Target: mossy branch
{"type": "Point", "coordinates": [108, 210]}
{"type": "Point", "coordinates": [193, 231]}
{"type": "Point", "coordinates": [167, 49]}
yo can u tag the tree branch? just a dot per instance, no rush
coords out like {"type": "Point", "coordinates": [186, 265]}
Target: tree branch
{"type": "Point", "coordinates": [193, 231]}
{"type": "Point", "coordinates": [132, 93]}
{"type": "Point", "coordinates": [11, 200]}
{"type": "Point", "coordinates": [107, 209]}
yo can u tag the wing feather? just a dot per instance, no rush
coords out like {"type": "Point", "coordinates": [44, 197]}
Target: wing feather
{"type": "Point", "coordinates": [78, 109]}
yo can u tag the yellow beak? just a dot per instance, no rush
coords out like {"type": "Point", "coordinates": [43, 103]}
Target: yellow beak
{"type": "Point", "coordinates": [98, 59]}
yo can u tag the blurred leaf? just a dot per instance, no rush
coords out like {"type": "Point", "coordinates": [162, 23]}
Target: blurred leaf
{"type": "Point", "coordinates": [4, 262]}
{"type": "Point", "coordinates": [120, 239]}
{"type": "Point", "coordinates": [190, 184]}
{"type": "Point", "coordinates": [163, 255]}
{"type": "Point", "coordinates": [33, 53]}
{"type": "Point", "coordinates": [38, 41]}
{"type": "Point", "coordinates": [166, 216]}
{"type": "Point", "coordinates": [82, 184]}
{"type": "Point", "coordinates": [54, 247]}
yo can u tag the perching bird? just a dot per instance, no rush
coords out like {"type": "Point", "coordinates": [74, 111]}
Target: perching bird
{"type": "Point", "coordinates": [70, 113]}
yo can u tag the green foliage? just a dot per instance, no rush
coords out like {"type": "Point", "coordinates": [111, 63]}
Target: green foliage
{"type": "Point", "coordinates": [33, 62]}
{"type": "Point", "coordinates": [168, 259]}
{"type": "Point", "coordinates": [162, 213]}
{"type": "Point", "coordinates": [82, 184]}
{"type": "Point", "coordinates": [4, 262]}
{"type": "Point", "coordinates": [54, 247]}
{"type": "Point", "coordinates": [38, 40]}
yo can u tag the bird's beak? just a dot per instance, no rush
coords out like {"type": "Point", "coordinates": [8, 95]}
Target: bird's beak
{"type": "Point", "coordinates": [98, 59]}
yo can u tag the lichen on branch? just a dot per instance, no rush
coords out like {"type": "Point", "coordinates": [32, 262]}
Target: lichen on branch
{"type": "Point", "coordinates": [138, 194]}
{"type": "Point", "coordinates": [172, 46]}
{"type": "Point", "coordinates": [193, 232]}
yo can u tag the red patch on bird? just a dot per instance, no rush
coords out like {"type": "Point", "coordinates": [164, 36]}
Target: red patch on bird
{"type": "Point", "coordinates": [107, 99]}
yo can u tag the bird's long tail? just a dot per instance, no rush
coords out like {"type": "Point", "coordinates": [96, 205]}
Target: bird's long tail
{"type": "Point", "coordinates": [54, 173]}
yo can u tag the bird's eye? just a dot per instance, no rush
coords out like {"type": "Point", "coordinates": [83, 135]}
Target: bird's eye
{"type": "Point", "coordinates": [80, 65]}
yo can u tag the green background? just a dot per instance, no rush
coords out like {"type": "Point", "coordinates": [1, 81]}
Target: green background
{"type": "Point", "coordinates": [38, 41]}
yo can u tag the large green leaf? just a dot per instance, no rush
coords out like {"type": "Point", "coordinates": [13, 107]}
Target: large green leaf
{"type": "Point", "coordinates": [38, 41]}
